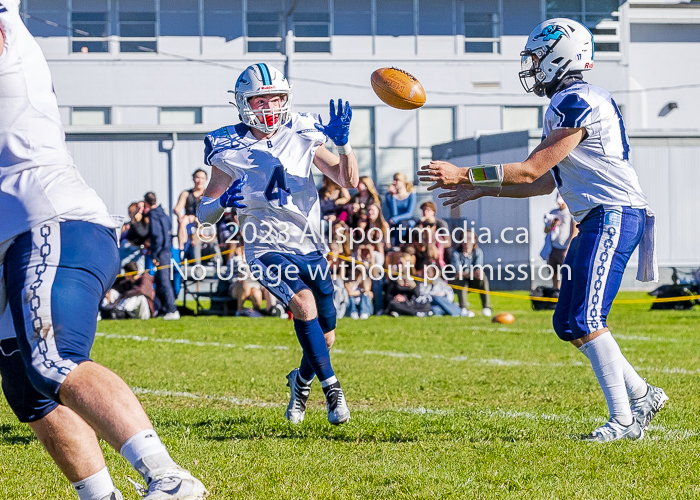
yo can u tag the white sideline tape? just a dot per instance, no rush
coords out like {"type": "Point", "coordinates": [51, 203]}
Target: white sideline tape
{"type": "Point", "coordinates": [660, 431]}
{"type": "Point", "coordinates": [395, 354]}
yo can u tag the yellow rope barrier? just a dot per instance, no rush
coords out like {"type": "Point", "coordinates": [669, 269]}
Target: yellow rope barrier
{"type": "Point", "coordinates": [456, 287]}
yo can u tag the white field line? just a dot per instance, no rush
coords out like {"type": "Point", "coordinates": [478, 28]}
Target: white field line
{"type": "Point", "coordinates": [197, 343]}
{"type": "Point", "coordinates": [660, 432]}
{"type": "Point", "coordinates": [189, 395]}
{"type": "Point", "coordinates": [395, 354]}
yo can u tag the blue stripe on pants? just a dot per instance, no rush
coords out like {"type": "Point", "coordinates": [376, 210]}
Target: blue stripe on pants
{"type": "Point", "coordinates": [596, 259]}
{"type": "Point", "coordinates": [56, 275]}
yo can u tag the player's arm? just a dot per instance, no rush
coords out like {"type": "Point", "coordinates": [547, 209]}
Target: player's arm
{"type": "Point", "coordinates": [221, 193]}
{"type": "Point", "coordinates": [343, 170]}
{"type": "Point", "coordinates": [558, 144]}
{"type": "Point", "coordinates": [467, 192]}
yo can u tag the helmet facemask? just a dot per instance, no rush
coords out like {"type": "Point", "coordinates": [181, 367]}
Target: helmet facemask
{"type": "Point", "coordinates": [265, 119]}
{"type": "Point", "coordinates": [532, 77]}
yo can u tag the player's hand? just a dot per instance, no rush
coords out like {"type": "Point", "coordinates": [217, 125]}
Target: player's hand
{"type": "Point", "coordinates": [232, 197]}
{"type": "Point", "coordinates": [464, 193]}
{"type": "Point", "coordinates": [443, 174]}
{"type": "Point", "coordinates": [338, 129]}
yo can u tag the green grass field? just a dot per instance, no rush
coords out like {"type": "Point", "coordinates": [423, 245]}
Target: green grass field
{"type": "Point", "coordinates": [441, 408]}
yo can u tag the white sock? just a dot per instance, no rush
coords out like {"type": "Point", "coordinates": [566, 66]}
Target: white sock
{"type": "Point", "coordinates": [329, 381]}
{"type": "Point", "coordinates": [145, 452]}
{"type": "Point", "coordinates": [95, 487]}
{"type": "Point", "coordinates": [635, 385]}
{"type": "Point", "coordinates": [608, 365]}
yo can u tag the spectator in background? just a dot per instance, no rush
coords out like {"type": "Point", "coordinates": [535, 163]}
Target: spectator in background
{"type": "Point", "coordinates": [442, 296]}
{"type": "Point", "coordinates": [561, 229]}
{"type": "Point", "coordinates": [359, 285]}
{"type": "Point", "coordinates": [134, 240]}
{"type": "Point", "coordinates": [332, 199]}
{"type": "Point", "coordinates": [161, 240]}
{"type": "Point", "coordinates": [131, 294]}
{"type": "Point", "coordinates": [401, 200]}
{"type": "Point", "coordinates": [378, 236]}
{"type": "Point", "coordinates": [441, 230]}
{"type": "Point", "coordinates": [186, 207]}
{"type": "Point", "coordinates": [469, 258]}
{"type": "Point", "coordinates": [366, 195]}
{"type": "Point", "coordinates": [337, 270]}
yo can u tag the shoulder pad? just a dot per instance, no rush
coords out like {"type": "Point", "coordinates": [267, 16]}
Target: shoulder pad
{"type": "Point", "coordinates": [305, 124]}
{"type": "Point", "coordinates": [222, 139]}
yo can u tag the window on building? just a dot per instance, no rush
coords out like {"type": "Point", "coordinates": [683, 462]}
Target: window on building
{"type": "Point", "coordinates": [223, 18]}
{"type": "Point", "coordinates": [362, 138]}
{"type": "Point", "coordinates": [264, 32]}
{"type": "Point", "coordinates": [264, 25]}
{"type": "Point", "coordinates": [90, 116]}
{"type": "Point", "coordinates": [50, 10]}
{"type": "Point", "coordinates": [312, 32]}
{"type": "Point", "coordinates": [600, 16]}
{"type": "Point", "coordinates": [483, 26]}
{"type": "Point", "coordinates": [392, 160]}
{"type": "Point", "coordinates": [90, 30]}
{"type": "Point", "coordinates": [352, 18]}
{"type": "Point", "coordinates": [179, 18]}
{"type": "Point", "coordinates": [180, 116]}
{"type": "Point", "coordinates": [435, 126]}
{"type": "Point", "coordinates": [395, 17]}
{"type": "Point", "coordinates": [522, 117]}
{"type": "Point", "coordinates": [137, 26]}
{"type": "Point", "coordinates": [436, 18]}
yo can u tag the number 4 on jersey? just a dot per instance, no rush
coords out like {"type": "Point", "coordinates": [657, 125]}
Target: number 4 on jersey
{"type": "Point", "coordinates": [277, 188]}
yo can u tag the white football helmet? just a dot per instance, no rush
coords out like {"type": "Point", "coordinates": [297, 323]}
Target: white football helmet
{"type": "Point", "coordinates": [554, 48]}
{"type": "Point", "coordinates": [261, 79]}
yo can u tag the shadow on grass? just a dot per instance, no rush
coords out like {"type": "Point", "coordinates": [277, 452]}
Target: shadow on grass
{"type": "Point", "coordinates": [359, 430]}
{"type": "Point", "coordinates": [13, 435]}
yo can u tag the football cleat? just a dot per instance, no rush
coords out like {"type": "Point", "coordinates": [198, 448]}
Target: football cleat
{"type": "Point", "coordinates": [299, 395]}
{"type": "Point", "coordinates": [646, 407]}
{"type": "Point", "coordinates": [338, 412]}
{"type": "Point", "coordinates": [612, 431]}
{"type": "Point", "coordinates": [172, 483]}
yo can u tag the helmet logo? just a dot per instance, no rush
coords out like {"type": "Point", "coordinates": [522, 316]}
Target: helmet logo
{"type": "Point", "coordinates": [552, 32]}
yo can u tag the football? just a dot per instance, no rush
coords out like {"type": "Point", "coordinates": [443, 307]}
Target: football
{"type": "Point", "coordinates": [398, 88]}
{"type": "Point", "coordinates": [504, 318]}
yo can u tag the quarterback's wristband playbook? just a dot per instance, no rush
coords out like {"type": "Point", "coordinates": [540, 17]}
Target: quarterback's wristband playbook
{"type": "Point", "coordinates": [486, 175]}
{"type": "Point", "coordinates": [209, 210]}
{"type": "Point", "coordinates": [345, 149]}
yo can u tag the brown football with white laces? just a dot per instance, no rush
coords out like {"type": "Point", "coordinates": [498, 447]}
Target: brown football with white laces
{"type": "Point", "coordinates": [398, 88]}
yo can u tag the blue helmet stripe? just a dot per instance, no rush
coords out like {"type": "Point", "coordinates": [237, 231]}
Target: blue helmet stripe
{"type": "Point", "coordinates": [265, 74]}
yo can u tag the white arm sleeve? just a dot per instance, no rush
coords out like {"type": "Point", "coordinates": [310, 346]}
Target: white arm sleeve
{"type": "Point", "coordinates": [209, 210]}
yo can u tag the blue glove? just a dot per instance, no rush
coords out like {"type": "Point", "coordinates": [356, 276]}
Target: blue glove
{"type": "Point", "coordinates": [338, 129]}
{"type": "Point", "coordinates": [232, 197]}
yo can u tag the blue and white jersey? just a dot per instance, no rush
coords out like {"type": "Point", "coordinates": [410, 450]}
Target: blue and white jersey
{"type": "Point", "coordinates": [598, 170]}
{"type": "Point", "coordinates": [283, 211]}
{"type": "Point", "coordinates": [38, 180]}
